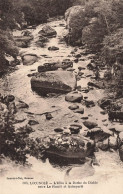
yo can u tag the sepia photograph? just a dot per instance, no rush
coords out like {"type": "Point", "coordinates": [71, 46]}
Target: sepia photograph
{"type": "Point", "coordinates": [61, 96]}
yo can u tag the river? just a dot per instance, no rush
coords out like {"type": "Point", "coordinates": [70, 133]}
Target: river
{"type": "Point", "coordinates": [109, 172]}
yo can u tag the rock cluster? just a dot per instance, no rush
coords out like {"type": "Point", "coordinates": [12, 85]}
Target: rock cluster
{"type": "Point", "coordinates": [83, 135]}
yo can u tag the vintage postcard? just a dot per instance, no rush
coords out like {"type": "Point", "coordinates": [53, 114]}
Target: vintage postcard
{"type": "Point", "coordinates": [61, 96]}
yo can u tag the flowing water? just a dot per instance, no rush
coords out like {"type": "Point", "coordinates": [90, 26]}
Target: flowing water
{"type": "Point", "coordinates": [108, 174]}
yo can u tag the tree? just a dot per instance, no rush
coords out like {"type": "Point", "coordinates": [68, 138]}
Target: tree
{"type": "Point", "coordinates": [7, 23]}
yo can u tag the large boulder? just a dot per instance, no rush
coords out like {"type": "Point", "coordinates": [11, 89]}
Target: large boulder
{"type": "Point", "coordinates": [98, 134]}
{"type": "Point", "coordinates": [23, 41]}
{"type": "Point", "coordinates": [75, 19]}
{"type": "Point", "coordinates": [68, 147]}
{"type": "Point", "coordinates": [48, 31]}
{"type": "Point", "coordinates": [66, 63]}
{"type": "Point", "coordinates": [29, 59]}
{"type": "Point", "coordinates": [105, 103]}
{"type": "Point", "coordinates": [54, 82]}
{"type": "Point", "coordinates": [41, 41]}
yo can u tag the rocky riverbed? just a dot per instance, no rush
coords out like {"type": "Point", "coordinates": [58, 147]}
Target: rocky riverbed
{"type": "Point", "coordinates": [63, 124]}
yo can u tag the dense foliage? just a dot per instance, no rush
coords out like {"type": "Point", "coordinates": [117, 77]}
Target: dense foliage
{"type": "Point", "coordinates": [14, 14]}
{"type": "Point", "coordinates": [37, 11]}
{"type": "Point", "coordinates": [113, 47]}
{"type": "Point", "coordinates": [105, 35]}
{"type": "Point", "coordinates": [109, 17]}
{"type": "Point", "coordinates": [9, 16]}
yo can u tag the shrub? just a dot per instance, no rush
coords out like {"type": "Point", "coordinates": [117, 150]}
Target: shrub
{"type": "Point", "coordinates": [7, 22]}
{"type": "Point", "coordinates": [113, 47]}
{"type": "Point", "coordinates": [93, 34]}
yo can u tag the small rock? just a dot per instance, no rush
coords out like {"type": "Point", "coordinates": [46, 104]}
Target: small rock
{"type": "Point", "coordinates": [70, 69]}
{"type": "Point", "coordinates": [74, 97]}
{"type": "Point", "coordinates": [89, 75]}
{"type": "Point", "coordinates": [103, 112]}
{"type": "Point", "coordinates": [48, 31]}
{"type": "Point", "coordinates": [85, 97]}
{"type": "Point", "coordinates": [104, 120]}
{"type": "Point", "coordinates": [78, 88]}
{"type": "Point", "coordinates": [76, 60]}
{"type": "Point", "coordinates": [84, 118]}
{"type": "Point", "coordinates": [82, 59]}
{"type": "Point", "coordinates": [78, 78]}
{"type": "Point", "coordinates": [29, 59]}
{"type": "Point", "coordinates": [99, 84]}
{"type": "Point", "coordinates": [80, 73]}
{"type": "Point", "coordinates": [33, 70]}
{"type": "Point", "coordinates": [75, 128]}
{"type": "Point", "coordinates": [89, 103]}
{"type": "Point", "coordinates": [90, 115]}
{"type": "Point", "coordinates": [89, 124]}
{"type": "Point", "coordinates": [48, 116]}
{"type": "Point", "coordinates": [92, 60]}
{"type": "Point", "coordinates": [58, 130]}
{"type": "Point", "coordinates": [105, 124]}
{"type": "Point", "coordinates": [91, 66]}
{"type": "Point", "coordinates": [41, 42]}
{"type": "Point", "coordinates": [79, 110]}
{"type": "Point", "coordinates": [76, 121]}
{"type": "Point", "coordinates": [81, 68]}
{"type": "Point", "coordinates": [67, 63]}
{"type": "Point", "coordinates": [78, 55]}
{"type": "Point", "coordinates": [8, 98]}
{"type": "Point", "coordinates": [33, 122]}
{"type": "Point", "coordinates": [20, 104]}
{"type": "Point", "coordinates": [73, 107]}
{"type": "Point", "coordinates": [85, 90]}
{"type": "Point", "coordinates": [48, 67]}
{"type": "Point", "coordinates": [53, 48]}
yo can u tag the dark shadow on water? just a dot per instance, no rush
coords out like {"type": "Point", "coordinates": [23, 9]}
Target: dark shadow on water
{"type": "Point", "coordinates": [46, 93]}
